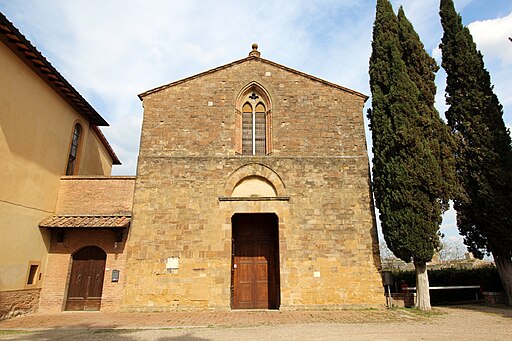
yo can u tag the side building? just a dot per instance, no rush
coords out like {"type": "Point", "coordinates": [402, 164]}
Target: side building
{"type": "Point", "coordinates": [252, 192]}
{"type": "Point", "coordinates": [47, 130]}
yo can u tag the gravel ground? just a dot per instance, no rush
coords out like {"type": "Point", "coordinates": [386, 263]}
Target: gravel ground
{"type": "Point", "coordinates": [450, 323]}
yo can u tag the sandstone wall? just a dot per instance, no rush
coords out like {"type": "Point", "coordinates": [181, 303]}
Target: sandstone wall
{"type": "Point", "coordinates": [328, 248]}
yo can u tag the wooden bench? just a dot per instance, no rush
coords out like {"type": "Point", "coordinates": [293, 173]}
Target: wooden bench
{"type": "Point", "coordinates": [448, 287]}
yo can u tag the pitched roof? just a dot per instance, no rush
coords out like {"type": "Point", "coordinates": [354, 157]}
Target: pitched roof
{"type": "Point", "coordinates": [27, 52]}
{"type": "Point", "coordinates": [23, 48]}
{"type": "Point", "coordinates": [86, 222]}
{"type": "Point", "coordinates": [108, 147]}
{"type": "Point", "coordinates": [257, 58]}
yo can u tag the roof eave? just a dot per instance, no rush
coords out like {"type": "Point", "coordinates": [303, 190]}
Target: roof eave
{"type": "Point", "coordinates": [108, 147]}
{"type": "Point", "coordinates": [27, 52]}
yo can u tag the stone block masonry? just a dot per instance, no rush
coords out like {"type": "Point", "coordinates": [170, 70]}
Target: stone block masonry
{"type": "Point", "coordinates": [188, 168]}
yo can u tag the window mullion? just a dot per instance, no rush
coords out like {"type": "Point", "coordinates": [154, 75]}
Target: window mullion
{"type": "Point", "coordinates": [253, 132]}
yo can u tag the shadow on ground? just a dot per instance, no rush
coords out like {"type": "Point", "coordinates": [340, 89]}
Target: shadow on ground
{"type": "Point", "coordinates": [84, 333]}
{"type": "Point", "coordinates": [501, 310]}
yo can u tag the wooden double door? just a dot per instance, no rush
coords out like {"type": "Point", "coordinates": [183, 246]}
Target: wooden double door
{"type": "Point", "coordinates": [86, 280]}
{"type": "Point", "coordinates": [255, 264]}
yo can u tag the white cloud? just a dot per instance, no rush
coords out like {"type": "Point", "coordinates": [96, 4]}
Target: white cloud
{"type": "Point", "coordinates": [491, 37]}
{"type": "Point", "coordinates": [113, 50]}
{"type": "Point", "coordinates": [449, 226]}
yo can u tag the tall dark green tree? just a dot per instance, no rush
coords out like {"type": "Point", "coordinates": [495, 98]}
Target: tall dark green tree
{"type": "Point", "coordinates": [484, 152]}
{"type": "Point", "coordinates": [410, 190]}
{"type": "Point", "coordinates": [422, 69]}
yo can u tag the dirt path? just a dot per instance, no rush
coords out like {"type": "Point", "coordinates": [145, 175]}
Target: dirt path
{"type": "Point", "coordinates": [453, 323]}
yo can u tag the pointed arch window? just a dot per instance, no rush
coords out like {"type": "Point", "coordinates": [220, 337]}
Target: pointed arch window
{"type": "Point", "coordinates": [254, 125]}
{"type": "Point", "coordinates": [73, 150]}
{"type": "Point", "coordinates": [259, 135]}
{"type": "Point", "coordinates": [254, 129]}
{"type": "Point", "coordinates": [247, 129]}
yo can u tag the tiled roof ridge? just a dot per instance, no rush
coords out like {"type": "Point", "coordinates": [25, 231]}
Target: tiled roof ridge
{"type": "Point", "coordinates": [98, 177]}
{"type": "Point", "coordinates": [106, 215]}
{"type": "Point", "coordinates": [86, 221]}
{"type": "Point", "coordinates": [38, 63]}
{"type": "Point", "coordinates": [35, 60]}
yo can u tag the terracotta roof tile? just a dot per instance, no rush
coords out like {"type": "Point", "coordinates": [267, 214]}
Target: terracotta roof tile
{"type": "Point", "coordinates": [66, 221]}
{"type": "Point", "coordinates": [34, 59]}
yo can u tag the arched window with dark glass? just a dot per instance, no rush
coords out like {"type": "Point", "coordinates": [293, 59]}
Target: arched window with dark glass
{"type": "Point", "coordinates": [247, 129]}
{"type": "Point", "coordinates": [254, 129]}
{"type": "Point", "coordinates": [253, 121]}
{"type": "Point", "coordinates": [73, 150]}
{"type": "Point", "coordinates": [260, 128]}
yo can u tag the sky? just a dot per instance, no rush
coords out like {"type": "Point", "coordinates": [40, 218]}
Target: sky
{"type": "Point", "coordinates": [112, 50]}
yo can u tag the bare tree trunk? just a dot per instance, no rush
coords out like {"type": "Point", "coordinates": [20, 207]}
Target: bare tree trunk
{"type": "Point", "coordinates": [504, 266]}
{"type": "Point", "coordinates": [422, 286]}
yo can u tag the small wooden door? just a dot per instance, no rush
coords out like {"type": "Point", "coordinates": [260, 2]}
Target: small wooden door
{"type": "Point", "coordinates": [255, 262]}
{"type": "Point", "coordinates": [86, 280]}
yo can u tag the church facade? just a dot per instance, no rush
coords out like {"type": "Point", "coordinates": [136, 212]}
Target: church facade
{"type": "Point", "coordinates": [252, 192]}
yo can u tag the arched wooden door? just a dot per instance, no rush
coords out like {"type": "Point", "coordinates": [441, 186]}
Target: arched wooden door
{"type": "Point", "coordinates": [86, 280]}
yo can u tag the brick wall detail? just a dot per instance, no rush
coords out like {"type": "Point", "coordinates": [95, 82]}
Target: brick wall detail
{"type": "Point", "coordinates": [97, 195]}
{"type": "Point", "coordinates": [18, 302]}
{"type": "Point", "coordinates": [55, 282]}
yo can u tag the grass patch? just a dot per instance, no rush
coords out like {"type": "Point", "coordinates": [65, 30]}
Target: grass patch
{"type": "Point", "coordinates": [422, 313]}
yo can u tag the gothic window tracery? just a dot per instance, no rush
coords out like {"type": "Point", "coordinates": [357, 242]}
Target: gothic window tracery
{"type": "Point", "coordinates": [254, 123]}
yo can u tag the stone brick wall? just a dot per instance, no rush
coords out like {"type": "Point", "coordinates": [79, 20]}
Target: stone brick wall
{"type": "Point", "coordinates": [18, 302]}
{"type": "Point", "coordinates": [328, 248]}
{"type": "Point", "coordinates": [56, 278]}
{"type": "Point", "coordinates": [99, 195]}
{"type": "Point", "coordinates": [309, 117]}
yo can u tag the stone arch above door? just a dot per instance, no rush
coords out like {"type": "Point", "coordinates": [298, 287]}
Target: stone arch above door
{"type": "Point", "coordinates": [255, 172]}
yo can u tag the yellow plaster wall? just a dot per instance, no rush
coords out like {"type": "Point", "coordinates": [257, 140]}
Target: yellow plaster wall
{"type": "Point", "coordinates": [20, 245]}
{"type": "Point", "coordinates": [35, 130]}
{"type": "Point", "coordinates": [95, 157]}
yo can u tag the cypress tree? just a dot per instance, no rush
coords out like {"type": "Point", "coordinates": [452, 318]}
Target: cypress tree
{"type": "Point", "coordinates": [408, 184]}
{"type": "Point", "coordinates": [422, 69]}
{"type": "Point", "coordinates": [483, 153]}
